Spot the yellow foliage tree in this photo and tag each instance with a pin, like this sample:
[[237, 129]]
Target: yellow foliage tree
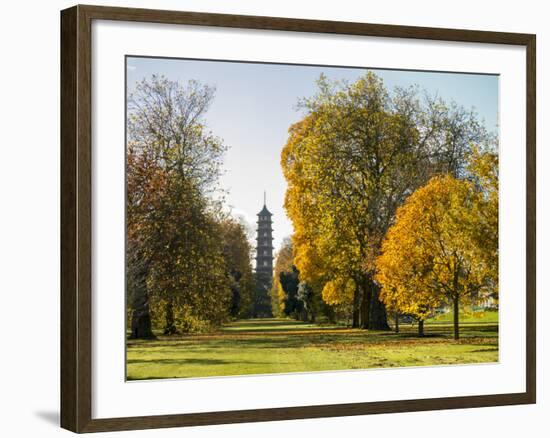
[[355, 157], [483, 168], [339, 291], [434, 253], [283, 263]]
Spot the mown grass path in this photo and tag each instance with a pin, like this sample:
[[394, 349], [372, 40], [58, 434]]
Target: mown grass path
[[266, 346]]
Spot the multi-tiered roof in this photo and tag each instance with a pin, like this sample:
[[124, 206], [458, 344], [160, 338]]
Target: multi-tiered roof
[[264, 242]]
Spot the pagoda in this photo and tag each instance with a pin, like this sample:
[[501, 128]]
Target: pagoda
[[264, 263]]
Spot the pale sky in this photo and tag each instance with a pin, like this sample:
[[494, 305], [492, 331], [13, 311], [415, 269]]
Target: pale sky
[[255, 104]]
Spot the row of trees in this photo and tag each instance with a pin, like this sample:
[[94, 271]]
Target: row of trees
[[357, 156], [188, 263]]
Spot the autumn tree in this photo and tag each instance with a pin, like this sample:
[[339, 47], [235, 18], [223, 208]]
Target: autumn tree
[[434, 253], [283, 270], [483, 172], [175, 259], [166, 119], [237, 258], [187, 281], [350, 162], [320, 250], [339, 293], [145, 185]]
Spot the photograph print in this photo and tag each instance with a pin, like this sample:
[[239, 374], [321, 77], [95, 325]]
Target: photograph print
[[300, 218]]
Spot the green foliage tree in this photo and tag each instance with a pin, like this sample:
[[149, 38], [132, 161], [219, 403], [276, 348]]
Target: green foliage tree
[[305, 295], [289, 282]]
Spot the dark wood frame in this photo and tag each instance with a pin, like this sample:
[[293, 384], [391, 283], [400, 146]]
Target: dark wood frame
[[76, 238]]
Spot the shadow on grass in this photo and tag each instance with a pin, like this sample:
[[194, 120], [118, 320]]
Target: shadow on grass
[[194, 361], [276, 329], [206, 345], [134, 379], [270, 334], [267, 342], [267, 322], [485, 350], [413, 335]]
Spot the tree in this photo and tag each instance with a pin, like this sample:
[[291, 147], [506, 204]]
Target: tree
[[289, 282], [285, 283], [483, 172], [165, 119], [283, 261], [350, 162], [433, 253], [189, 279], [306, 297], [145, 182], [339, 293], [237, 257], [175, 261]]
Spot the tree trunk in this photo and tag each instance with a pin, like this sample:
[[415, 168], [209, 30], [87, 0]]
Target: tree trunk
[[169, 326], [378, 318], [396, 322], [141, 322], [366, 285], [312, 314], [141, 318], [331, 314], [420, 327], [355, 311], [365, 307], [455, 316]]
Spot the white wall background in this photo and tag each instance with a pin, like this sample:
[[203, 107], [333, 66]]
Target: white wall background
[[29, 220]]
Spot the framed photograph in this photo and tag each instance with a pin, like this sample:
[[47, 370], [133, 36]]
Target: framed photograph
[[270, 218]]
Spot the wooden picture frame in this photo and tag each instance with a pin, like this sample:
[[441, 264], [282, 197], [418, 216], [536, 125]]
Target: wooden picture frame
[[76, 217]]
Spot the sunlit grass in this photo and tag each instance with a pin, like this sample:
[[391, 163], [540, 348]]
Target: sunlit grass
[[280, 346], [467, 316]]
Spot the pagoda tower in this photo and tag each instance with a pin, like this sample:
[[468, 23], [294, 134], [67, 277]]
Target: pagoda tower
[[264, 263]]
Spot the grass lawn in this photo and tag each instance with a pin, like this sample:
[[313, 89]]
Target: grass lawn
[[468, 317], [266, 346]]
